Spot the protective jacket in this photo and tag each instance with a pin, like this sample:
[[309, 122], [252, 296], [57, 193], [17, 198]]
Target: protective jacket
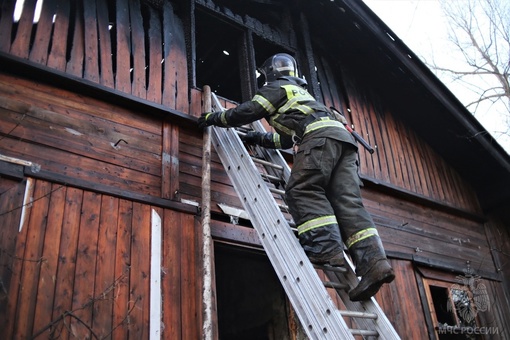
[[291, 110]]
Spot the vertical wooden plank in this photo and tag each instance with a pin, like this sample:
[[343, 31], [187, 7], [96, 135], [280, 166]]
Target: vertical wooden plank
[[155, 56], [434, 168], [105, 44], [410, 161], [122, 306], [418, 158], [371, 137], [139, 276], [138, 87], [179, 57], [21, 44], [171, 284], [376, 141], [57, 56], [105, 270], [446, 186], [48, 274], [196, 108], [75, 63], [123, 62], [17, 267], [32, 260], [175, 65], [366, 131], [395, 161], [429, 168], [189, 264], [11, 202], [170, 161], [6, 18], [83, 289], [358, 112], [91, 61], [66, 263], [384, 149], [403, 159], [39, 52], [457, 194]]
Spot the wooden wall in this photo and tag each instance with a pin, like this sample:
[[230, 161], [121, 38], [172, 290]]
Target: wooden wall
[[80, 268], [126, 45], [80, 137]]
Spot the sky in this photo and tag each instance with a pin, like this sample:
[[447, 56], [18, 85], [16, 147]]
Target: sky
[[421, 25]]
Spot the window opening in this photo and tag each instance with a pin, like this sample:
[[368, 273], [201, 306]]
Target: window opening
[[251, 302], [454, 307], [217, 56]]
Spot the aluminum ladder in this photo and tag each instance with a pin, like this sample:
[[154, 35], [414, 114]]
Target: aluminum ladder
[[319, 316]]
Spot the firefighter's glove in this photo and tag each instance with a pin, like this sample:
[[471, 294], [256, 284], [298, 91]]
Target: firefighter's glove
[[253, 137], [210, 118]]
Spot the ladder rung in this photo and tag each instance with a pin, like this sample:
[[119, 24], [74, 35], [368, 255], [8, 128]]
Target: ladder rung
[[364, 332], [277, 191], [329, 268], [335, 285], [263, 162], [354, 314], [283, 207], [272, 178]]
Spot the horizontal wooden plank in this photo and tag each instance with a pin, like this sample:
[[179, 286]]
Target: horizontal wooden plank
[[9, 170], [120, 150]]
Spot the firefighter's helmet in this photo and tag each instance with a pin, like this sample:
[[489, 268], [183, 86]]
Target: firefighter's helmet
[[279, 65]]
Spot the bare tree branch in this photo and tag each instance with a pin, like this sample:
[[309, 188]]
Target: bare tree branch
[[480, 31]]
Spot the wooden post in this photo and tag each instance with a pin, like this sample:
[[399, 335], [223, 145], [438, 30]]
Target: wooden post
[[209, 329]]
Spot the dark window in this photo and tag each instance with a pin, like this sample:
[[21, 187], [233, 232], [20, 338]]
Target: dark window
[[251, 301], [217, 56], [454, 310]]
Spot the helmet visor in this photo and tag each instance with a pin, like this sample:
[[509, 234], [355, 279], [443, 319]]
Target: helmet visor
[[285, 65]]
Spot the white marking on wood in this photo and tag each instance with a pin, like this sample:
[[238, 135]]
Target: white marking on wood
[[155, 281], [27, 202]]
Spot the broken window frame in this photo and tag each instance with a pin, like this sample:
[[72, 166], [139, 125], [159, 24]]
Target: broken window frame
[[433, 278]]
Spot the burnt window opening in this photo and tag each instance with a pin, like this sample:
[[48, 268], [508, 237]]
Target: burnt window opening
[[251, 302], [454, 308], [440, 300], [217, 56]]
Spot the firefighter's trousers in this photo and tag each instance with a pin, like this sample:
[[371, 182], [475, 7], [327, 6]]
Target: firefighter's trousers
[[324, 199]]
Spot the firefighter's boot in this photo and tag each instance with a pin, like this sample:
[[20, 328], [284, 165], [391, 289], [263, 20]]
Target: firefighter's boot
[[372, 265]]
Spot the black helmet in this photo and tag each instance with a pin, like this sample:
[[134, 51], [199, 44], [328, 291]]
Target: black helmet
[[279, 65]]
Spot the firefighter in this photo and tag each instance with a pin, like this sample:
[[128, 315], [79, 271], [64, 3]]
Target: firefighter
[[323, 192]]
